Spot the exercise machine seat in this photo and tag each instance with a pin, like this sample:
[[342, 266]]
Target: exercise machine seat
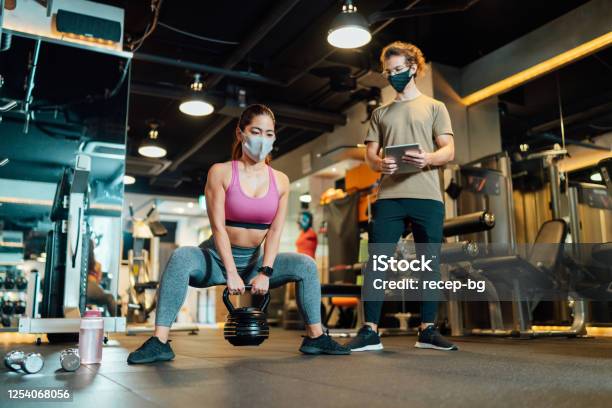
[[602, 253], [340, 290], [538, 270]]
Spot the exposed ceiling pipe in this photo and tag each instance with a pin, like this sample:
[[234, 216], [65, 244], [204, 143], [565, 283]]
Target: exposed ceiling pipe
[[220, 72], [312, 119], [196, 66], [603, 109], [30, 85], [245, 75], [554, 138], [272, 19], [426, 10], [202, 139]]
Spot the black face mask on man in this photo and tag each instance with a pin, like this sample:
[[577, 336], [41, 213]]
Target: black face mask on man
[[399, 81]]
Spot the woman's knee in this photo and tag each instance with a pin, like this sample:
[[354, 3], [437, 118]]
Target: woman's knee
[[184, 259], [306, 267], [186, 254]]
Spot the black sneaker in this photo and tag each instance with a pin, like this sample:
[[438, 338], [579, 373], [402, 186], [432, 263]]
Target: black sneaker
[[430, 338], [151, 351], [366, 340], [323, 344]]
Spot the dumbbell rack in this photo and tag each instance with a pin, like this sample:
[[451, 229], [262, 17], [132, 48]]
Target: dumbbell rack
[[4, 291]]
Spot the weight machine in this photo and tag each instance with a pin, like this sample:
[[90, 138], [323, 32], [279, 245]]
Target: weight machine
[[64, 291]]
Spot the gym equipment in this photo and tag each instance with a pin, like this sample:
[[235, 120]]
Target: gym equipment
[[70, 360], [8, 307], [1, 281], [141, 301], [64, 288], [483, 183], [20, 307], [540, 270], [462, 251], [469, 223], [246, 326], [139, 265], [538, 180], [30, 363], [9, 282], [605, 167], [21, 282], [68, 245]]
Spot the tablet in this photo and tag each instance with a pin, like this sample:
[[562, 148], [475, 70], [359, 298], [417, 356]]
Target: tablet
[[397, 151]]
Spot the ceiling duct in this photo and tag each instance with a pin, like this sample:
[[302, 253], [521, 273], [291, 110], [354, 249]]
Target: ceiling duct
[[142, 166], [340, 78], [78, 23], [106, 150]]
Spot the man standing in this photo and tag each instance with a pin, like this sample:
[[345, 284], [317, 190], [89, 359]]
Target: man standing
[[414, 198]]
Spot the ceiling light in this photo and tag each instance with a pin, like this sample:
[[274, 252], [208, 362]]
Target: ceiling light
[[190, 204], [596, 177], [4, 162], [196, 105], [305, 198], [127, 180], [151, 147], [179, 210], [334, 169], [349, 29]]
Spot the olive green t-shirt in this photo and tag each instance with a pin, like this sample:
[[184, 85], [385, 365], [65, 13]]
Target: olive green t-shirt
[[418, 120]]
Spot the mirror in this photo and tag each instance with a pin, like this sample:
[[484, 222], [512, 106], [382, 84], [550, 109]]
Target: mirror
[[65, 110]]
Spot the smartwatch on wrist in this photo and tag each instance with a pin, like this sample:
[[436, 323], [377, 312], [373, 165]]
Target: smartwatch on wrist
[[266, 270]]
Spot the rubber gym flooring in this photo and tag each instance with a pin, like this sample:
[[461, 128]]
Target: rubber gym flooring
[[208, 372]]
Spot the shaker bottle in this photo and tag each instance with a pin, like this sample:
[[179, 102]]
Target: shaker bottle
[[91, 336]]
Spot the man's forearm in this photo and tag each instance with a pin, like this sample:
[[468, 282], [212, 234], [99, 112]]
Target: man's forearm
[[442, 156], [373, 161]]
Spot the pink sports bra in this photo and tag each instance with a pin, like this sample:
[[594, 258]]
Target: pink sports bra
[[249, 212]]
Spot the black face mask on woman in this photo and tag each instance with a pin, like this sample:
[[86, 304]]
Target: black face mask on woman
[[399, 81]]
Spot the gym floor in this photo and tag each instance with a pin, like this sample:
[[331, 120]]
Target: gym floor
[[208, 372]]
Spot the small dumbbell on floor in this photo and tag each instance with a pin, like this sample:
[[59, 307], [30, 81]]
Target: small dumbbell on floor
[[28, 362], [70, 360]]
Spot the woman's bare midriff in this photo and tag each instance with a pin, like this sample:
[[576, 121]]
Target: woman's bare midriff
[[245, 237]]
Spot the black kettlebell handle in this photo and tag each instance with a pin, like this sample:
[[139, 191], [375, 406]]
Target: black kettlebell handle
[[230, 307]]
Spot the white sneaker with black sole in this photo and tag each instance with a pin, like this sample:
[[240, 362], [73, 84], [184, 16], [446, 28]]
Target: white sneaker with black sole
[[430, 338], [366, 340]]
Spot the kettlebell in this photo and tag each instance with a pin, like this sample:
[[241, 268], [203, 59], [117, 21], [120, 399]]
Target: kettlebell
[[246, 326]]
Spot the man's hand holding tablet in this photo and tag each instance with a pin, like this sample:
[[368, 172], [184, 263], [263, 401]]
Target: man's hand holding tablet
[[418, 158], [408, 158]]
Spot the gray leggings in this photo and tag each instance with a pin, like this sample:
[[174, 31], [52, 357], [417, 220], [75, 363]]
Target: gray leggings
[[202, 267]]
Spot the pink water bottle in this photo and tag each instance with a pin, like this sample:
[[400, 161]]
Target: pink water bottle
[[91, 337]]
